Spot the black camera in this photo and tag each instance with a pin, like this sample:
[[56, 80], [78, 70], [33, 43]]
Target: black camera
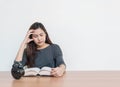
[[17, 70]]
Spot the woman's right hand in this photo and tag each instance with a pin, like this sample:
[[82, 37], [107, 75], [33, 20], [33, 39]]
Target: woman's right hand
[[27, 39]]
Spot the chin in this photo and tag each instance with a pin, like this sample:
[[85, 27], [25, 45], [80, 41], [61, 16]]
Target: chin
[[41, 44]]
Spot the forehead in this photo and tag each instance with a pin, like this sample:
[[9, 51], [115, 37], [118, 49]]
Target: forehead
[[38, 31]]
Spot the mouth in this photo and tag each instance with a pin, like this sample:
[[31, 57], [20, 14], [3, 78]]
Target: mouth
[[39, 42]]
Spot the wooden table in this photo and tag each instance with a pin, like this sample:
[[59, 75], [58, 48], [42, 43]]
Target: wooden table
[[70, 79]]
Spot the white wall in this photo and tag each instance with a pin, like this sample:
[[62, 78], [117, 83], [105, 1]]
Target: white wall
[[88, 31]]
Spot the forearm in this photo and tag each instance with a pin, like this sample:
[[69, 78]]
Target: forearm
[[23, 45], [20, 52]]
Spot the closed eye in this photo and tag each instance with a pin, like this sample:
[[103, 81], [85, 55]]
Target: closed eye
[[41, 34], [35, 36]]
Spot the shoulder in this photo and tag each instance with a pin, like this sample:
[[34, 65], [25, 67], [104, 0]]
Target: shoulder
[[55, 46], [56, 49]]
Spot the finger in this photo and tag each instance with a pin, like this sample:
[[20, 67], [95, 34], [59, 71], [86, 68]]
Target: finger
[[31, 30], [28, 34], [56, 75], [53, 69], [53, 73], [30, 40]]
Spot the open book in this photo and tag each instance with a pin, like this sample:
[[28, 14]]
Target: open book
[[44, 71]]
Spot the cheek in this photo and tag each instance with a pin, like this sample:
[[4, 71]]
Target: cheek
[[44, 37]]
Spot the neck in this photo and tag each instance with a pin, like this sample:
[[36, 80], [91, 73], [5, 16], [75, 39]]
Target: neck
[[43, 46]]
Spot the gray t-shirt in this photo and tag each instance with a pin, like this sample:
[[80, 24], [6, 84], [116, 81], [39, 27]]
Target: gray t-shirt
[[50, 56]]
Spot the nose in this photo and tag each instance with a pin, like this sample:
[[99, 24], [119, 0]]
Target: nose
[[39, 38]]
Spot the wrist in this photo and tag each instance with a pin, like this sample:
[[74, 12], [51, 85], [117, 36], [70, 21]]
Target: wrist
[[23, 44], [62, 66]]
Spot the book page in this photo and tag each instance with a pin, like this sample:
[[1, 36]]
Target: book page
[[31, 71], [46, 71]]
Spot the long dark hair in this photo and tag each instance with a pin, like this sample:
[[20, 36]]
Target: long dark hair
[[32, 47]]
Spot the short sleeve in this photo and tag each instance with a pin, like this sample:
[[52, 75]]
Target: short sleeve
[[58, 55]]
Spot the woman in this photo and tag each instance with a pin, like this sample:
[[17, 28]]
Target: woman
[[37, 50]]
